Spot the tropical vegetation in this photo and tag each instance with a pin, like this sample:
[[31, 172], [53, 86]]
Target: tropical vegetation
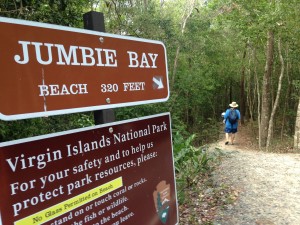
[[218, 51]]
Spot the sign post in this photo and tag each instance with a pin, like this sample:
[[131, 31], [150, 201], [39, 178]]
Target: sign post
[[50, 70], [95, 21], [118, 173]]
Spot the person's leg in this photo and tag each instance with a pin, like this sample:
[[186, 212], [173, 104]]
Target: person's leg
[[233, 132], [232, 138], [227, 138]]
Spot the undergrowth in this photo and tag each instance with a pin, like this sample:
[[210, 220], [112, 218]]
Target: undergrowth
[[198, 196], [190, 163]]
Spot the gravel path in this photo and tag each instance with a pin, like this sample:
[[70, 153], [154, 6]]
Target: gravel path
[[268, 185]]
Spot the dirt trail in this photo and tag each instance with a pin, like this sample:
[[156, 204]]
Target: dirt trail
[[268, 185]]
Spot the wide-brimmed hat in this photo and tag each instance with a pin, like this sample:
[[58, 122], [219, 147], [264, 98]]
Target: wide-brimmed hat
[[233, 105]]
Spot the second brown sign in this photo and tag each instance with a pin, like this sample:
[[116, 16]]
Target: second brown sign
[[119, 173]]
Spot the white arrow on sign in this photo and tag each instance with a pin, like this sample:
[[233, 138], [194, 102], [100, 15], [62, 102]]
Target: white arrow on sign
[[158, 83]]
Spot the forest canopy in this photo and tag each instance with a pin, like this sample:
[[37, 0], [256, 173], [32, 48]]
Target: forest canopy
[[218, 51]]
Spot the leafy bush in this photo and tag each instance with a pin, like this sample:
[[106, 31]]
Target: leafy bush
[[189, 161], [12, 130]]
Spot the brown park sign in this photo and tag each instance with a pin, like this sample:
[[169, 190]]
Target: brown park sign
[[49, 70], [118, 173]]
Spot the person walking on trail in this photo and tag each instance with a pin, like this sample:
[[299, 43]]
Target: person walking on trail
[[231, 117]]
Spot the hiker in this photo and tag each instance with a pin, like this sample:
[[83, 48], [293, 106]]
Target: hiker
[[232, 116]]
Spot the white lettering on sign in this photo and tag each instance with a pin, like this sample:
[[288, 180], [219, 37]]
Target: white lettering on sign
[[109, 88], [90, 56], [55, 89], [134, 86], [39, 161], [143, 61]]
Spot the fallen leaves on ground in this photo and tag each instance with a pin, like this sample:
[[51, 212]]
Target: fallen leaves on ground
[[203, 200]]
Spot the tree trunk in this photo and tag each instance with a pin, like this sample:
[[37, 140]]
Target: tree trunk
[[242, 87], [145, 4], [249, 88], [258, 100], [175, 65], [297, 130], [266, 101], [187, 13], [287, 95], [251, 85], [271, 122]]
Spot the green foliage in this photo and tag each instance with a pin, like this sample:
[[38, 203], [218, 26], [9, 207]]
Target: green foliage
[[189, 162], [61, 12], [210, 59], [12, 130]]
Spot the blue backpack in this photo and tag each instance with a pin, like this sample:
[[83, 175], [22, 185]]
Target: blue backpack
[[233, 117]]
